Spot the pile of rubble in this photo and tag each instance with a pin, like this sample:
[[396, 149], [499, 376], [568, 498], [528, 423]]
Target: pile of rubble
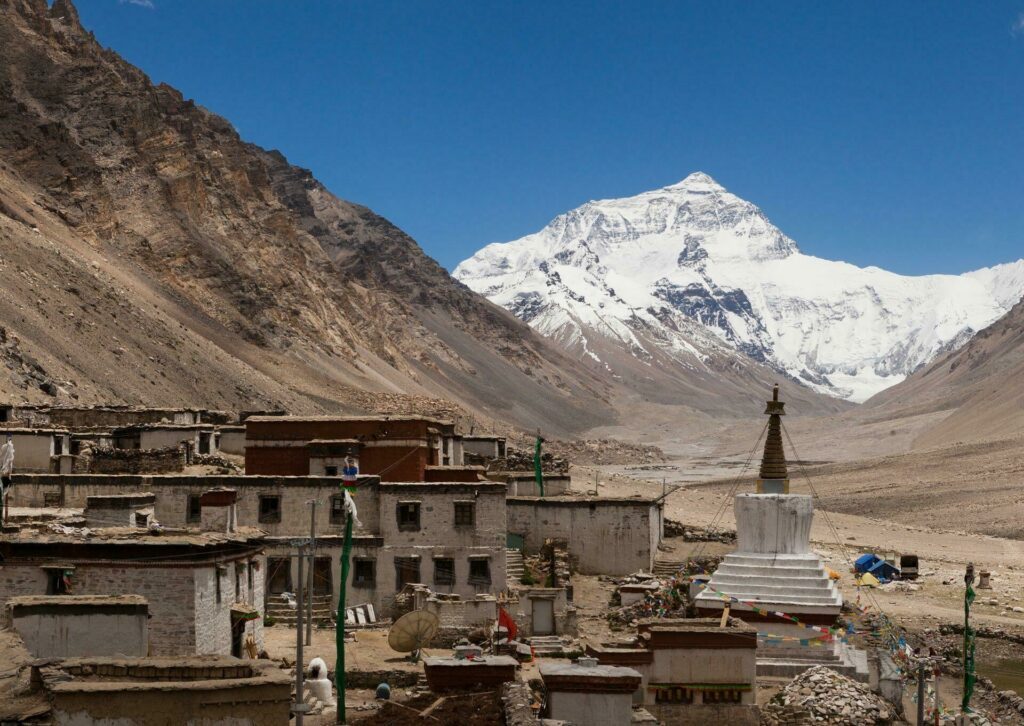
[[519, 460], [698, 534], [820, 695], [597, 452]]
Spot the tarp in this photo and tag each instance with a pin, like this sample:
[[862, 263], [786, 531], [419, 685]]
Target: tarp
[[868, 580], [884, 570], [865, 562]]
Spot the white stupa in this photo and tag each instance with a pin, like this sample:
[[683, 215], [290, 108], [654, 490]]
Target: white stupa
[[773, 566]]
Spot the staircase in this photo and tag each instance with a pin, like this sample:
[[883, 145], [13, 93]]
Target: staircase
[[546, 645], [513, 567], [780, 661], [278, 609], [666, 567]]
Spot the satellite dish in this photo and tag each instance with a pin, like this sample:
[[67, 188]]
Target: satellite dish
[[413, 631]]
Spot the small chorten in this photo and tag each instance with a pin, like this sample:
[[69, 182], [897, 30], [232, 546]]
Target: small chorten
[[774, 477]]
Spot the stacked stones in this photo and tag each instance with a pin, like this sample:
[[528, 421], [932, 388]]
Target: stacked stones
[[820, 695]]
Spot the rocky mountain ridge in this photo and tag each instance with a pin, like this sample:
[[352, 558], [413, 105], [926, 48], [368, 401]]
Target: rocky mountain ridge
[[150, 255], [690, 273]]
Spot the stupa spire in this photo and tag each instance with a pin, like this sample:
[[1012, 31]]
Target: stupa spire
[[774, 476]]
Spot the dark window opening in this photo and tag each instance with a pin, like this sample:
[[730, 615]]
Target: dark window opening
[[270, 509], [338, 509], [465, 514], [195, 510], [58, 445], [409, 515], [673, 694], [364, 572], [141, 520], [238, 582], [330, 471], [444, 571], [252, 578], [407, 570], [729, 696], [216, 580], [58, 582], [479, 571]]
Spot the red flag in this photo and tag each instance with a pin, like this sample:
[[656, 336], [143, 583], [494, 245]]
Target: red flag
[[505, 620]]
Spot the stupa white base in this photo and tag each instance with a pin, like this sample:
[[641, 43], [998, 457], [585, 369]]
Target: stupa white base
[[774, 566]]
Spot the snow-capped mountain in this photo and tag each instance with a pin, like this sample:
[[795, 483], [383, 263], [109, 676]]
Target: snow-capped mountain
[[690, 271]]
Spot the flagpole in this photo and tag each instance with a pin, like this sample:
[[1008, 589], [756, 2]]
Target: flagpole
[[538, 471]]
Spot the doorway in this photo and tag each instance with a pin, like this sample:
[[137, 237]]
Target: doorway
[[279, 575], [543, 616], [321, 575]]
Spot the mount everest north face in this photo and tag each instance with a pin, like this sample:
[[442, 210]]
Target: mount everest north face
[[690, 272]]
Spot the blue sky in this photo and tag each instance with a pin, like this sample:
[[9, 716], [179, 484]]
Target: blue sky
[[887, 134]]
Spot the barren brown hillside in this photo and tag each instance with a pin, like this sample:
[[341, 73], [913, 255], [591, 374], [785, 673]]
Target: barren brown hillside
[[151, 255]]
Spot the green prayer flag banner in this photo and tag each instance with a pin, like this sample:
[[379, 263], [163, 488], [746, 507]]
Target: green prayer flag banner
[[537, 472]]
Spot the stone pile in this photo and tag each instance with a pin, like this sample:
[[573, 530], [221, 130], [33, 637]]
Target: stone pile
[[698, 534], [822, 696]]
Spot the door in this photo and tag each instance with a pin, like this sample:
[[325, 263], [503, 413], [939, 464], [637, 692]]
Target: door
[[237, 634], [279, 575], [543, 617], [322, 576]]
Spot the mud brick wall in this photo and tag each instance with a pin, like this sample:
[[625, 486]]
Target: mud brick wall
[[132, 461]]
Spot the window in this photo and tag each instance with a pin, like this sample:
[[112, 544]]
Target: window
[[58, 582], [465, 514], [444, 571], [479, 571], [52, 499], [364, 572], [270, 509], [194, 510], [238, 582], [338, 509], [216, 581], [252, 578], [141, 520], [330, 471], [407, 570], [725, 696], [409, 516]]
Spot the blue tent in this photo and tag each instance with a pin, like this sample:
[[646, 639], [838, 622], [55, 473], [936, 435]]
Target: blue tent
[[884, 571], [864, 563]]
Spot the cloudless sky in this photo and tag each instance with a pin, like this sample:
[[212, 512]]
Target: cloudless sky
[[882, 133]]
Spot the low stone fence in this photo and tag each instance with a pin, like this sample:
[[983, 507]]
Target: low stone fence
[[169, 460]]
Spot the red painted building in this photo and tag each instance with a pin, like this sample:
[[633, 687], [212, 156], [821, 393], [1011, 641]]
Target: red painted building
[[396, 448]]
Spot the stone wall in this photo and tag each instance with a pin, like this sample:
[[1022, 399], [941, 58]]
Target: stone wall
[[226, 691], [131, 461], [65, 626], [605, 536], [184, 615]]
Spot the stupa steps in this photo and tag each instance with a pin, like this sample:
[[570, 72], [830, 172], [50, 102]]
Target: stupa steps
[[806, 583], [773, 560], [778, 570], [778, 600]]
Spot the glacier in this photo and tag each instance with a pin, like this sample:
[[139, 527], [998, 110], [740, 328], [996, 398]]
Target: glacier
[[693, 269]]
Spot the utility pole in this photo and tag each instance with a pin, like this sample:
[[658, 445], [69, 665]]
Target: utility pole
[[300, 663], [309, 579]]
